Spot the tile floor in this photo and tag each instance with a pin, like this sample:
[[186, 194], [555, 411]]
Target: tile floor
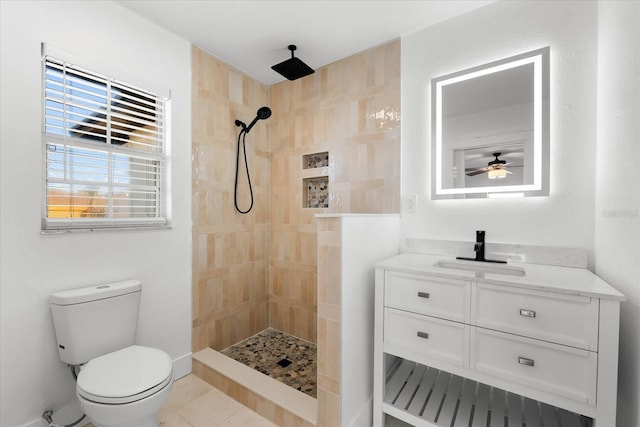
[[265, 350], [195, 403]]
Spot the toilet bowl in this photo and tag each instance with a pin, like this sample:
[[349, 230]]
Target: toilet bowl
[[125, 388], [120, 384]]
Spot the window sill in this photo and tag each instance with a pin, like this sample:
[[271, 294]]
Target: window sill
[[105, 229]]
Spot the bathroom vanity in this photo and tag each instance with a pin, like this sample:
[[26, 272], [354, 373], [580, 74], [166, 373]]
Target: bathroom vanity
[[460, 343]]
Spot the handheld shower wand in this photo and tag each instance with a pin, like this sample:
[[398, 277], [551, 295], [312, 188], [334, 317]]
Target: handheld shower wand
[[262, 114]]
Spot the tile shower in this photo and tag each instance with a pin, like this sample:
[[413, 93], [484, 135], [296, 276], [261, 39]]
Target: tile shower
[[332, 145]]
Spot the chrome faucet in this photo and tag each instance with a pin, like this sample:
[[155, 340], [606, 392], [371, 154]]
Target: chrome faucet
[[478, 248]]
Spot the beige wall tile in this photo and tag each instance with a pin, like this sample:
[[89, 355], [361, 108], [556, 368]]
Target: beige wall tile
[[266, 408], [230, 277], [352, 109], [329, 311], [328, 409], [328, 384], [333, 342], [323, 350]]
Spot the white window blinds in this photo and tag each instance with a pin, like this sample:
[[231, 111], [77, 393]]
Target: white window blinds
[[104, 151]]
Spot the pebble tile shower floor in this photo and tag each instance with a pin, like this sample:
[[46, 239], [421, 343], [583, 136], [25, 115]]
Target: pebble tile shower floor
[[270, 352]]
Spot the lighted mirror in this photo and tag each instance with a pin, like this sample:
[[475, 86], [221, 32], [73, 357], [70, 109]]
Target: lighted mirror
[[490, 129]]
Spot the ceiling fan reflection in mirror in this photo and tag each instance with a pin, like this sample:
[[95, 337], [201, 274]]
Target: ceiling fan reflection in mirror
[[495, 169]]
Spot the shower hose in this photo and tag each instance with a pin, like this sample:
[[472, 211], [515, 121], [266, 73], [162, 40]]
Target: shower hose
[[48, 415], [241, 138]]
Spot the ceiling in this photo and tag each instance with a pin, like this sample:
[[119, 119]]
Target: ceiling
[[254, 35]]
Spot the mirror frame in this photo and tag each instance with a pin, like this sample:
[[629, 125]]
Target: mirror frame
[[540, 186]]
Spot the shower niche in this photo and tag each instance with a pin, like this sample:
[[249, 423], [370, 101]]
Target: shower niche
[[315, 186], [315, 160], [315, 192]]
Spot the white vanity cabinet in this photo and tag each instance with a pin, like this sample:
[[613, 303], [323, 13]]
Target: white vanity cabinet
[[460, 348]]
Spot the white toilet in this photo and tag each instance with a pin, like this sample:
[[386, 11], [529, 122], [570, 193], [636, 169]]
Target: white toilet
[[120, 384]]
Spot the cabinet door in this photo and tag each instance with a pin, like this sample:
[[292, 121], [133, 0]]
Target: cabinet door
[[433, 296], [565, 371], [435, 338], [562, 319]]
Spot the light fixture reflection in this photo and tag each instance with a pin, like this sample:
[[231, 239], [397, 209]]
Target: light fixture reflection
[[497, 173]]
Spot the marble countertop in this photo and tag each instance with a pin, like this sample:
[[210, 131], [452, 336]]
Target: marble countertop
[[565, 280]]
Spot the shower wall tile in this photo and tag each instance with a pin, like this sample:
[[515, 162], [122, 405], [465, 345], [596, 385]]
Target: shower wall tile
[[329, 320], [272, 267], [230, 251], [350, 109]]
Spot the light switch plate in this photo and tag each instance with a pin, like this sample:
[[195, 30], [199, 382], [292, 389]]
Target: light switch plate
[[412, 203]]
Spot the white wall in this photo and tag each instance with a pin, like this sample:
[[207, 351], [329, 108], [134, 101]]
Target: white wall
[[493, 32], [35, 265], [617, 219], [360, 250]]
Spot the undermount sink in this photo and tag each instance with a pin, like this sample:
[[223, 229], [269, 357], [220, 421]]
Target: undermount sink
[[481, 267]]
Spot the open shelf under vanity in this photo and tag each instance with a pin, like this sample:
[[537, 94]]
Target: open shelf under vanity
[[424, 396]]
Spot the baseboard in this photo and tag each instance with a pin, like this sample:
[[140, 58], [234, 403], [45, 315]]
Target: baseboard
[[36, 423], [365, 417], [182, 366]]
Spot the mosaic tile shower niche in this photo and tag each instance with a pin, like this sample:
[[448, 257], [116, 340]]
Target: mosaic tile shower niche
[[315, 160], [316, 192], [315, 189]]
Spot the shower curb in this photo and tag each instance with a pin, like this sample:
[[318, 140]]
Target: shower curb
[[266, 396]]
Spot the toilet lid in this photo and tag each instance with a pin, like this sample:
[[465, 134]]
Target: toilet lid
[[126, 375]]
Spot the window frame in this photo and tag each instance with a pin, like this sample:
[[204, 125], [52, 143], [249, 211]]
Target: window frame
[[155, 161]]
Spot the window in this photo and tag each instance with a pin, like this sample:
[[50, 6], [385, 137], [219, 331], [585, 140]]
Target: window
[[103, 149]]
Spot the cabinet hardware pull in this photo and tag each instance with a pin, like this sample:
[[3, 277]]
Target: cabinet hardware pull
[[423, 335], [423, 294], [527, 313], [525, 361]]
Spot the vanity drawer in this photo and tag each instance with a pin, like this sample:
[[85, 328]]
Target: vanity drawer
[[439, 297], [430, 336], [566, 371], [563, 319]]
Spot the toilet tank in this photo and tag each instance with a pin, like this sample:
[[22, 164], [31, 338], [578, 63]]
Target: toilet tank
[[95, 320]]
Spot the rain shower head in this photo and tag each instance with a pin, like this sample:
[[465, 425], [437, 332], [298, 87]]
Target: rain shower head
[[293, 68], [262, 114]]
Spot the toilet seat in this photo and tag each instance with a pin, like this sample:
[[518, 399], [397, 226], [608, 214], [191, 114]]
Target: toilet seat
[[124, 376]]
